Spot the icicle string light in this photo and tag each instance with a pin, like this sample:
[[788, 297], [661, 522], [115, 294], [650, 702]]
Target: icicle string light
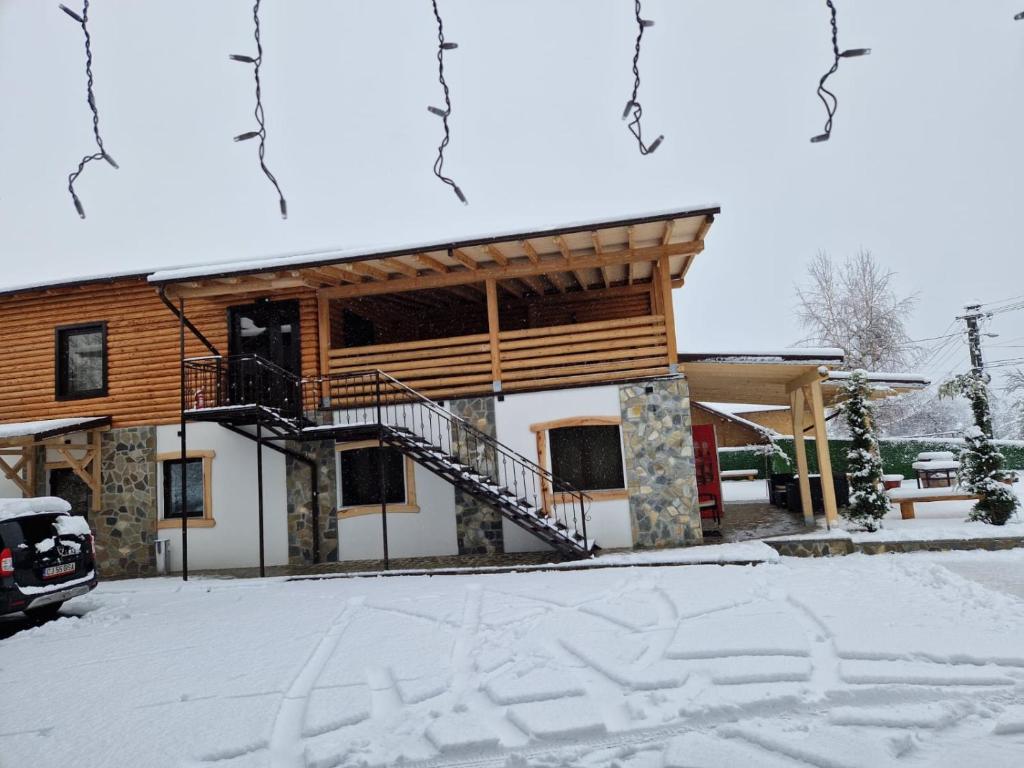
[[633, 105], [260, 134], [828, 98], [446, 112], [83, 20]]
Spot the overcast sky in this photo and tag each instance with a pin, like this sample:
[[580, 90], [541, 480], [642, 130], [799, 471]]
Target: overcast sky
[[923, 168]]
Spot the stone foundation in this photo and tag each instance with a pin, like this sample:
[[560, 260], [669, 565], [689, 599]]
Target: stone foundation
[[478, 525], [126, 525], [840, 545], [660, 474], [300, 503]]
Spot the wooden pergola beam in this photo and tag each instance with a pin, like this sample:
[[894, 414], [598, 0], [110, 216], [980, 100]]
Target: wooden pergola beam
[[495, 253], [514, 269], [367, 270], [400, 266], [531, 252], [431, 263], [464, 259]]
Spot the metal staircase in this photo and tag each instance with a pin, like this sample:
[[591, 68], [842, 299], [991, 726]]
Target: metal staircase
[[370, 405]]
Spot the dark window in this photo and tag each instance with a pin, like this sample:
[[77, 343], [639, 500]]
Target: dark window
[[82, 361], [358, 330], [360, 476], [172, 488], [590, 458]]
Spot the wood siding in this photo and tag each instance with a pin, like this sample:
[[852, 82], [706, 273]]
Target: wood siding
[[142, 348]]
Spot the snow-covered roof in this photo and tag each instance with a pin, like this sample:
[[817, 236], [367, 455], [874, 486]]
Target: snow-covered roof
[[335, 256], [737, 409], [40, 430], [795, 355], [759, 428], [875, 377], [12, 508]]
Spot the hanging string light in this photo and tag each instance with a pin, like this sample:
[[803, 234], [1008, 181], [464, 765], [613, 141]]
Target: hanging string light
[[260, 134], [633, 105], [445, 113], [829, 99], [83, 20]]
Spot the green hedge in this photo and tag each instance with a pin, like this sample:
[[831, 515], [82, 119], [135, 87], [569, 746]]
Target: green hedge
[[898, 454]]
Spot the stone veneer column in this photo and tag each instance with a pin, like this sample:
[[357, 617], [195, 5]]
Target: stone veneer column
[[478, 525], [300, 503], [657, 438], [126, 526]]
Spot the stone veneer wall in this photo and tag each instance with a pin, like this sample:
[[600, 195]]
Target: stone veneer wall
[[126, 525], [660, 474], [300, 503], [478, 525]]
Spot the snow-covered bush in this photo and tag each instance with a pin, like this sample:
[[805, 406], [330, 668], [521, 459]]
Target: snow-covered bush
[[981, 463], [868, 502]]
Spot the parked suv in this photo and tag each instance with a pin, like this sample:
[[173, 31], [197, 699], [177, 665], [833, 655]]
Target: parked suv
[[47, 556]]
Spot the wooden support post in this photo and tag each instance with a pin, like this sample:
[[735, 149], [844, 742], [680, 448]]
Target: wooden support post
[[828, 490], [493, 328], [30, 454], [796, 405], [323, 314], [665, 284]]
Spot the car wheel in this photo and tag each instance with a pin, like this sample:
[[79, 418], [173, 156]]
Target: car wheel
[[45, 612]]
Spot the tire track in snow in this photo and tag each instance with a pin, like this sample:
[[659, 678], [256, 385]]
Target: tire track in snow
[[286, 743]]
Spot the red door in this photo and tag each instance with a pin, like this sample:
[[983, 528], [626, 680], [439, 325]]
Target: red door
[[709, 484]]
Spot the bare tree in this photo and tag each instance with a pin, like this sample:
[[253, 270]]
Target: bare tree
[[853, 305]]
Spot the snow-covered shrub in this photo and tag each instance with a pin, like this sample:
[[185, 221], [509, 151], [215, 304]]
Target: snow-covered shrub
[[981, 463], [868, 502]]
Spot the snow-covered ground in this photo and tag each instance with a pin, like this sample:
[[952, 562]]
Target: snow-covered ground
[[933, 519], [912, 660]]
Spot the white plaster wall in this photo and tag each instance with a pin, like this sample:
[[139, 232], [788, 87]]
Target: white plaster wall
[[234, 541], [429, 532], [8, 490], [609, 523]]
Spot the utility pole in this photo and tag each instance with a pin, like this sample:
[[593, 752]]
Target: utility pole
[[972, 318], [974, 314]]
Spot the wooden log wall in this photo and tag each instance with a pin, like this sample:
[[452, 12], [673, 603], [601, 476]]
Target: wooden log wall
[[585, 353], [142, 348]]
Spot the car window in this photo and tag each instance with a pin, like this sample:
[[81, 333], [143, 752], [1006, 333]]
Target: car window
[[35, 528]]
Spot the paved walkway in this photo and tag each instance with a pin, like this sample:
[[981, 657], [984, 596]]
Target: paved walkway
[[745, 521], [505, 560]]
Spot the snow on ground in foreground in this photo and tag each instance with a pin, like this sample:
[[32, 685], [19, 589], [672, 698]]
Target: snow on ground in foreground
[[855, 661]]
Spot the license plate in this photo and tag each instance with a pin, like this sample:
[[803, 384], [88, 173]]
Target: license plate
[[58, 570]]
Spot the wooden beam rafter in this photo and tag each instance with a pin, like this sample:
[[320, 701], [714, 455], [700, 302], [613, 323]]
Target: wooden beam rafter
[[464, 259], [515, 269], [495, 253], [431, 263]]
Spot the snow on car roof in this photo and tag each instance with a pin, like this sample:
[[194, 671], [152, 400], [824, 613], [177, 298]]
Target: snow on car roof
[[40, 505]]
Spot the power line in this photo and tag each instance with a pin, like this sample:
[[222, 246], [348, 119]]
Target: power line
[[261, 134], [828, 98], [633, 105], [444, 114], [83, 21]]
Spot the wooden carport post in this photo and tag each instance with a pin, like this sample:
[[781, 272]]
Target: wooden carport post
[[796, 405], [828, 489], [493, 329]]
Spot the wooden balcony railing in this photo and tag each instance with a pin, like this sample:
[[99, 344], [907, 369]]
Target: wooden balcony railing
[[538, 358]]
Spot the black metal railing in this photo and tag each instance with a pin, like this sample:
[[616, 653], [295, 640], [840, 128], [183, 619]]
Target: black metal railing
[[371, 398], [240, 381], [403, 418]]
